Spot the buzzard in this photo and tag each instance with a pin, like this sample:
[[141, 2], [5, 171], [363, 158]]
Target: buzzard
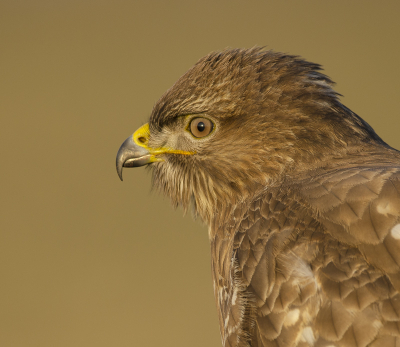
[[300, 195]]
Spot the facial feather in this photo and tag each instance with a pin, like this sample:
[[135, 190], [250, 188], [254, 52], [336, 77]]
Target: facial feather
[[273, 113]]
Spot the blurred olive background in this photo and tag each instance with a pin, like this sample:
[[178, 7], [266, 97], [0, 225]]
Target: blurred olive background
[[87, 260]]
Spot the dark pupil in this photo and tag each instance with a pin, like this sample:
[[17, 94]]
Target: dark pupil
[[201, 126]]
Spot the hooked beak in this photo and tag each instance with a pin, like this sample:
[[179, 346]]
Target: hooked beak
[[135, 152], [131, 155]]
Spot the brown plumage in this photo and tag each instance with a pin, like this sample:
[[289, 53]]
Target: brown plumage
[[301, 197]]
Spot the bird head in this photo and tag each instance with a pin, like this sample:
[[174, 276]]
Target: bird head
[[236, 122]]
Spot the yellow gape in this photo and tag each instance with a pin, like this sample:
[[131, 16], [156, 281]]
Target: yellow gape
[[141, 138]]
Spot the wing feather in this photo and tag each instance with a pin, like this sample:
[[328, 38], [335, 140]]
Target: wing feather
[[315, 263]]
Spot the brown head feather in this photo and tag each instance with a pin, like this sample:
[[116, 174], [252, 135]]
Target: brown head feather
[[274, 113]]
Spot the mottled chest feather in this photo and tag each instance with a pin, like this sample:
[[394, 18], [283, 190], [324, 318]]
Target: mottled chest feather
[[288, 277]]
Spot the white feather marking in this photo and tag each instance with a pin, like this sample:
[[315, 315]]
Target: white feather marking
[[395, 232], [234, 296], [385, 208], [377, 324], [308, 336], [302, 269], [291, 317], [226, 321]]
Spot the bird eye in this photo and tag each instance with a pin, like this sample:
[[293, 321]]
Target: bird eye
[[200, 127]]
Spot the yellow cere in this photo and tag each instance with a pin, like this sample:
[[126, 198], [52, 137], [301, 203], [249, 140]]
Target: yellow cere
[[141, 138]]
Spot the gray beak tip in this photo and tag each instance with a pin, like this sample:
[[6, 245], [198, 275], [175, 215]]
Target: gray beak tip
[[131, 155], [119, 171]]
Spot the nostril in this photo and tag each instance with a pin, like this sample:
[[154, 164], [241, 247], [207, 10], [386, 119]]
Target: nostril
[[142, 139]]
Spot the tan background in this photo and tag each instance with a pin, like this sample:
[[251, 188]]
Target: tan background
[[86, 260]]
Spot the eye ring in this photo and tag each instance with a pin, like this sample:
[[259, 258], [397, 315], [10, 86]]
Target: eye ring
[[200, 127]]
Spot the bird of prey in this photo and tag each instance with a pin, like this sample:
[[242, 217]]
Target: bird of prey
[[300, 195]]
